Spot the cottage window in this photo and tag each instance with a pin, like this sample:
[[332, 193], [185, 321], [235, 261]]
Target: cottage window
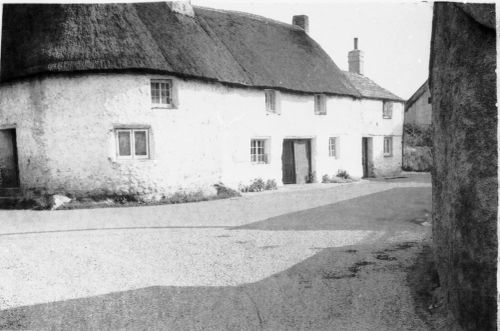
[[161, 93], [258, 151], [387, 111], [387, 146], [320, 104], [132, 143], [272, 101], [332, 147]]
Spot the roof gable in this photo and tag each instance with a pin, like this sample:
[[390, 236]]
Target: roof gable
[[421, 90], [223, 46]]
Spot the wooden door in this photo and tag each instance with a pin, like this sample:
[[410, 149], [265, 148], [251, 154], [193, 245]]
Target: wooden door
[[302, 160], [366, 156], [8, 159], [288, 162]]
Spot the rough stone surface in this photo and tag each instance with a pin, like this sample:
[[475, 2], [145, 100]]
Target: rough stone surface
[[66, 141], [465, 183]]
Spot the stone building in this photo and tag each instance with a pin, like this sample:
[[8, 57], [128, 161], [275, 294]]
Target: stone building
[[418, 108], [464, 179], [152, 98]]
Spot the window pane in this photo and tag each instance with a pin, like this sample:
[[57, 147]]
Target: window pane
[[124, 143], [155, 92], [141, 147]]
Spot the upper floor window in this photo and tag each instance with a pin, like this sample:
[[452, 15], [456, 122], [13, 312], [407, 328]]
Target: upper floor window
[[320, 104], [387, 112], [387, 146], [332, 147], [272, 101], [132, 143], [162, 93], [258, 153]]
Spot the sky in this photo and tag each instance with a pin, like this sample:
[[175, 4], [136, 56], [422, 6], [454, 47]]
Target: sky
[[394, 36]]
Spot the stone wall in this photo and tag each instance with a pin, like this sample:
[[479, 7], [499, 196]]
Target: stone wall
[[465, 183]]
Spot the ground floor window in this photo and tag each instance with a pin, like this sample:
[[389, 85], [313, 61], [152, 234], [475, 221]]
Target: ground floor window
[[132, 143], [332, 147], [258, 153], [387, 146]]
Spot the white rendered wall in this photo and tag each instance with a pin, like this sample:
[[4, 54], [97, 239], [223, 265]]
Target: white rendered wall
[[377, 127], [65, 130]]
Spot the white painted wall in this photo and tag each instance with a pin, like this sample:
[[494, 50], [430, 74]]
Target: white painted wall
[[377, 127], [66, 140]]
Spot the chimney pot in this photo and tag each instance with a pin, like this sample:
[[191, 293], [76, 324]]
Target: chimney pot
[[301, 21], [355, 43], [183, 7]]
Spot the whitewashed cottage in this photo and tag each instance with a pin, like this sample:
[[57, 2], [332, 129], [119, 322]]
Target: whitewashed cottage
[[151, 98]]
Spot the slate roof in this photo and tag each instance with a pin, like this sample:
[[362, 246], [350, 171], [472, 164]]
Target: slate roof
[[369, 89], [216, 45]]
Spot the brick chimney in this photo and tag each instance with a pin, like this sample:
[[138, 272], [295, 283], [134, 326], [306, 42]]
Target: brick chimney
[[355, 58], [183, 7], [302, 21]]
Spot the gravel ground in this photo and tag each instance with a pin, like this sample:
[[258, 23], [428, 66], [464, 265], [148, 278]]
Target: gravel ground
[[329, 257]]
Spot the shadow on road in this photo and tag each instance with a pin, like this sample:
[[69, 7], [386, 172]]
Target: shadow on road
[[338, 288], [376, 211]]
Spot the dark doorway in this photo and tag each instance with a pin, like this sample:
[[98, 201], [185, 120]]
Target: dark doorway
[[367, 156], [9, 173], [296, 160]]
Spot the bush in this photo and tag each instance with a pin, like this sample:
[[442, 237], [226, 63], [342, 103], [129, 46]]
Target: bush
[[271, 185], [415, 135], [259, 185], [343, 174], [341, 177], [225, 192]]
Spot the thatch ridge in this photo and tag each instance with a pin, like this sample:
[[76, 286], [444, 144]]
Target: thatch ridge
[[223, 46]]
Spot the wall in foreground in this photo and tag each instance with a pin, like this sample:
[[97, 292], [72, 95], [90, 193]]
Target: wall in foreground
[[66, 139], [465, 183]]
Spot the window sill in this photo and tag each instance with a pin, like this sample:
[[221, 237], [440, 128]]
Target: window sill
[[259, 163], [163, 107], [388, 155], [126, 160], [387, 118]]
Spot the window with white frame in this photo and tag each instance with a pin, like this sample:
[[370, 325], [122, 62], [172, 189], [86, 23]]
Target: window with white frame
[[333, 150], [162, 93], [132, 143], [272, 101], [387, 146], [258, 151], [320, 104], [387, 110]]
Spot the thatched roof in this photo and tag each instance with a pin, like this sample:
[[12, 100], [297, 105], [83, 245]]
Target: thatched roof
[[421, 90], [224, 46], [369, 89]]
